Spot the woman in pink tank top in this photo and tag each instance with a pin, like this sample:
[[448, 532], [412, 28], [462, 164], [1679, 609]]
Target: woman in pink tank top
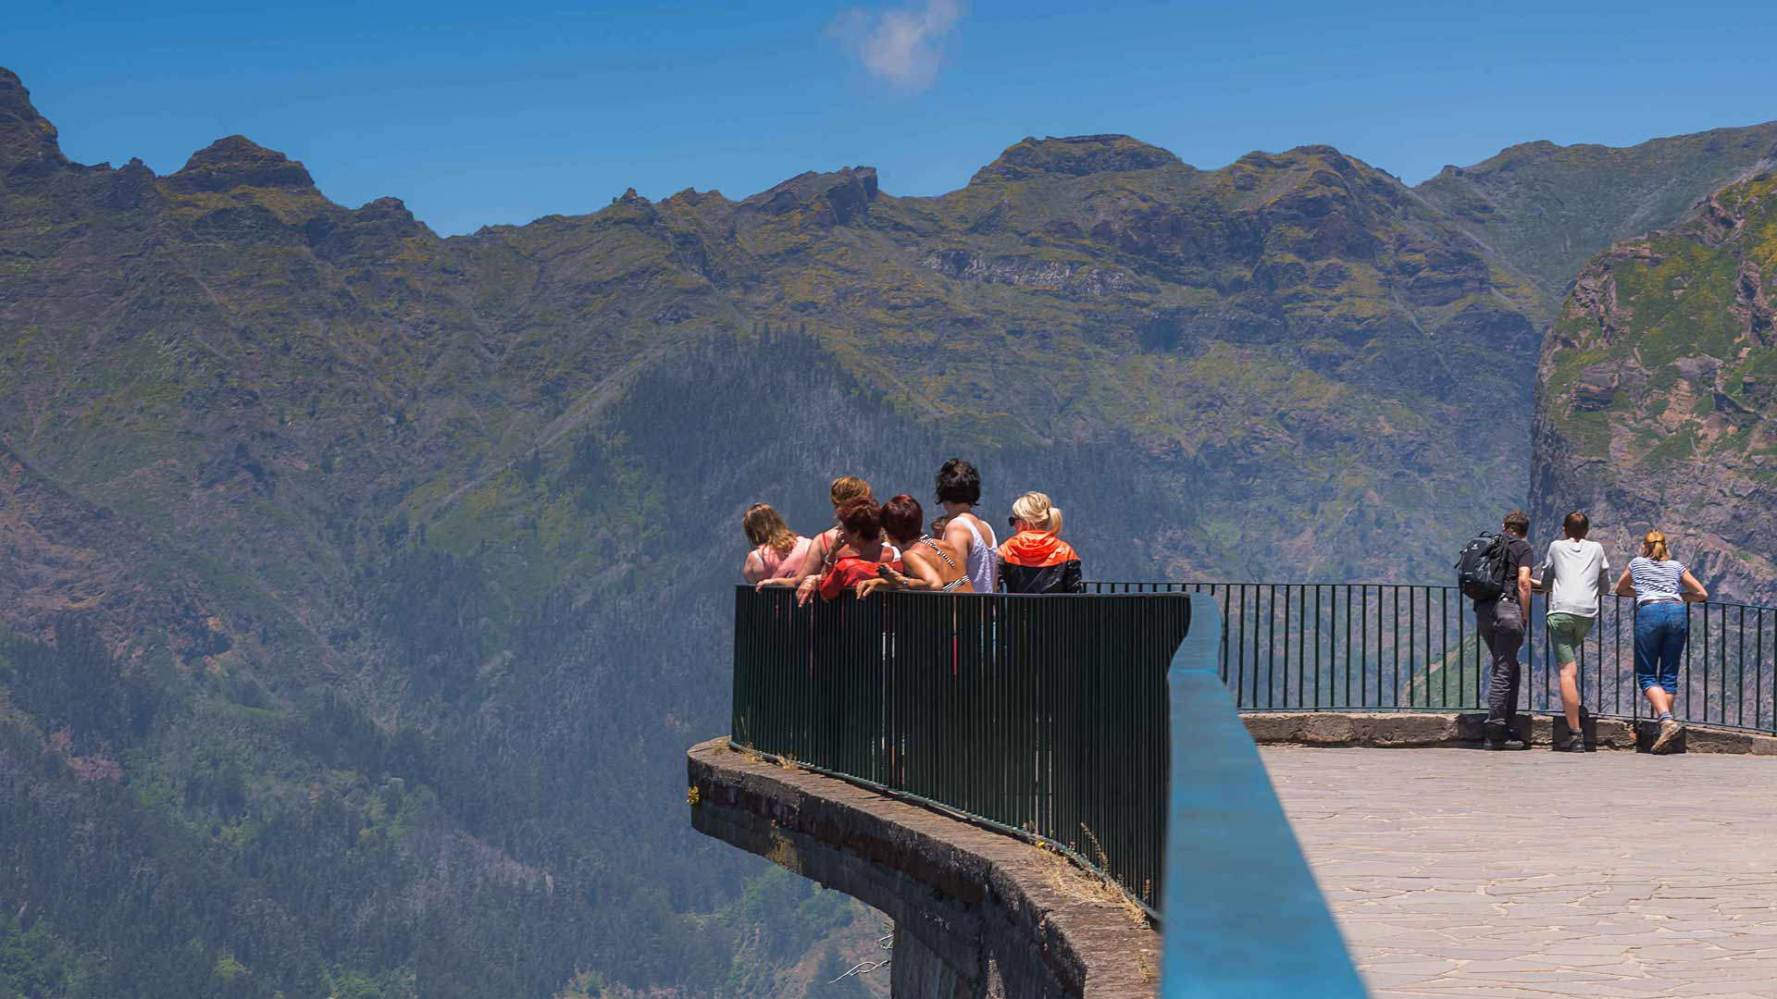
[[777, 550]]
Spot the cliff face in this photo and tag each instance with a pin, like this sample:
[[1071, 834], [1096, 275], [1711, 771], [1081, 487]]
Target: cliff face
[[1547, 209], [357, 520], [1656, 392]]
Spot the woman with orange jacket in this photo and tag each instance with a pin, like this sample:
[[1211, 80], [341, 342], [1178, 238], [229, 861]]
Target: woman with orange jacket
[[1036, 560]]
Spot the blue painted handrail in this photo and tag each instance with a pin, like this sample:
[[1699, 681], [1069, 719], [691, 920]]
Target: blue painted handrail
[[1244, 916]]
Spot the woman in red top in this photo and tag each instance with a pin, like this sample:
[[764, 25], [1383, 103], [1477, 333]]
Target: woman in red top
[[932, 563], [863, 552], [823, 551]]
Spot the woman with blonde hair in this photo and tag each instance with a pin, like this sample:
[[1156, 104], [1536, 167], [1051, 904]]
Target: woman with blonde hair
[[776, 548], [827, 547], [1661, 586], [824, 549], [1036, 560]]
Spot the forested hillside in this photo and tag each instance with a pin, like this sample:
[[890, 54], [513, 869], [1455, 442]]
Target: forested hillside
[[362, 589]]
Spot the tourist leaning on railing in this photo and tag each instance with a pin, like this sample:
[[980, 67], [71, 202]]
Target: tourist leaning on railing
[[1501, 621], [823, 549], [959, 489], [1036, 560], [1661, 586], [931, 564], [1575, 572], [777, 550], [863, 554]]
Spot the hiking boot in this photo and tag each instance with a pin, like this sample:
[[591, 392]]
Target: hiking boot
[[1670, 729], [1575, 743], [1498, 735], [1493, 735]]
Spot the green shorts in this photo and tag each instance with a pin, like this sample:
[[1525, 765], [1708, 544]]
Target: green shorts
[[1566, 632]]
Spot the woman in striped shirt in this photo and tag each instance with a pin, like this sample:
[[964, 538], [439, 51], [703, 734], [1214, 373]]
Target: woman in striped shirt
[[1661, 586]]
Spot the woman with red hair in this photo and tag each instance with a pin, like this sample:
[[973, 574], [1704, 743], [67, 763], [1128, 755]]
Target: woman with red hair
[[932, 564], [863, 553]]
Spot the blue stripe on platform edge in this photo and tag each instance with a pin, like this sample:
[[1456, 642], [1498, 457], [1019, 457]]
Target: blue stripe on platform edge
[[1243, 916]]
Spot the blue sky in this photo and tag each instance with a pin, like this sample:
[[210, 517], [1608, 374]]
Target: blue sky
[[482, 113]]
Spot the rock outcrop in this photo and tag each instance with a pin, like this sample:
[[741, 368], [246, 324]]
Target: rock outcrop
[[1655, 393]]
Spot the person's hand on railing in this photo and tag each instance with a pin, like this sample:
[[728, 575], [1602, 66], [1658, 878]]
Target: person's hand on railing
[[885, 579], [806, 589]]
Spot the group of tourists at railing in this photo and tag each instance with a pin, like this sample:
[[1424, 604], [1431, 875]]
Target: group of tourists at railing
[[1496, 572], [874, 546]]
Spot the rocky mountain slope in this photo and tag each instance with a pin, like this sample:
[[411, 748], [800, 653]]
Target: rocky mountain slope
[[324, 537], [1547, 209], [1656, 386]]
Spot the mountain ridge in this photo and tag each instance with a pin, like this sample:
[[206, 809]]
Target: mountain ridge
[[1528, 201]]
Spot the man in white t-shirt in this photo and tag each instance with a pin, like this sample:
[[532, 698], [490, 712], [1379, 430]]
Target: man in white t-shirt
[[1575, 574]]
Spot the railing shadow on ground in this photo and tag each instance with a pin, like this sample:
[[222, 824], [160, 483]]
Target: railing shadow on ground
[[1397, 647], [1095, 725]]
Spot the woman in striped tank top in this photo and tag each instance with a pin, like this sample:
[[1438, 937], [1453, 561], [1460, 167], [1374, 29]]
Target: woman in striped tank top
[[1661, 586], [930, 563]]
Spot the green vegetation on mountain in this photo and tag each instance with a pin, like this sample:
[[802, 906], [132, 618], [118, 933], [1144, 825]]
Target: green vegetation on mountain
[[365, 587], [1547, 209], [1657, 388]]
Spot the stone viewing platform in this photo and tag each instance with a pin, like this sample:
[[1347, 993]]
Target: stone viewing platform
[[976, 912], [1450, 871], [1455, 872], [1270, 791]]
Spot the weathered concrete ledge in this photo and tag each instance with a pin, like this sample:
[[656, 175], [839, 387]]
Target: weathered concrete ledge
[[977, 913], [1407, 729]]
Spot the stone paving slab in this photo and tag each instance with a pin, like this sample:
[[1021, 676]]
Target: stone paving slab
[[1461, 873]]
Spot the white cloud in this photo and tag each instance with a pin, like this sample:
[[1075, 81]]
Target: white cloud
[[903, 46]]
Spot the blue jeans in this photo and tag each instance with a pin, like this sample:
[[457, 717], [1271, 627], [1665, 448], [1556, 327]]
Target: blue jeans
[[1660, 633]]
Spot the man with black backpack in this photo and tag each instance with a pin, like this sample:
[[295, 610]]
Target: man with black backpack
[[1494, 571]]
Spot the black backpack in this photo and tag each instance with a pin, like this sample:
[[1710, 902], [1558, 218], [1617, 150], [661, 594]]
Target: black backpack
[[1481, 568]]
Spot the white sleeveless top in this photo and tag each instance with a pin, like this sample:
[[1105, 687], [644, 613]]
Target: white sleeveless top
[[984, 561]]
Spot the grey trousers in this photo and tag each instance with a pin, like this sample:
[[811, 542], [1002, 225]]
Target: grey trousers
[[1501, 624]]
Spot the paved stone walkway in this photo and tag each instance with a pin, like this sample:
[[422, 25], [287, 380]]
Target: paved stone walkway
[[1455, 872]]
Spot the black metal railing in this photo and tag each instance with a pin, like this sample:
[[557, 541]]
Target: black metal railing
[[1389, 647], [1043, 716], [1097, 725]]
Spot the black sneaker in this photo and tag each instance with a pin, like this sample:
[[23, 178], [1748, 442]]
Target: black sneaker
[[1575, 743], [1511, 741]]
